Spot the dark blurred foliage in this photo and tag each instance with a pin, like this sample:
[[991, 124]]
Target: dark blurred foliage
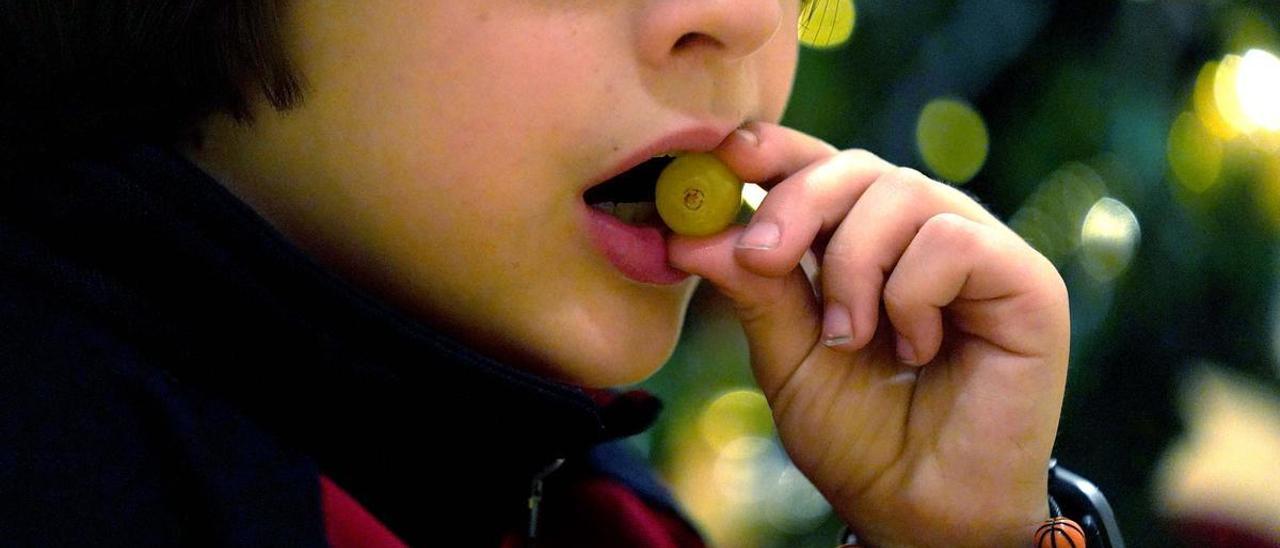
[[1095, 82]]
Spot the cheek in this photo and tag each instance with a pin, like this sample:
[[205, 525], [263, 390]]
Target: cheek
[[524, 288], [778, 68], [443, 79], [445, 154]]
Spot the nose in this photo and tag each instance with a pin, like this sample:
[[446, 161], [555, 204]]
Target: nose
[[725, 29]]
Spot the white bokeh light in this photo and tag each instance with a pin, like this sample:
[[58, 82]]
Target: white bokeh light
[[1109, 237], [1258, 89]]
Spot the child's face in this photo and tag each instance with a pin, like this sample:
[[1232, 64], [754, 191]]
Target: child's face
[[441, 150]]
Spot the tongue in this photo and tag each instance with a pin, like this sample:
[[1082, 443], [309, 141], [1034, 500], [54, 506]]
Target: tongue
[[640, 252]]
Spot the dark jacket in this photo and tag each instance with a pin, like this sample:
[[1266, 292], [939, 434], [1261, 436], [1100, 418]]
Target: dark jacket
[[175, 372]]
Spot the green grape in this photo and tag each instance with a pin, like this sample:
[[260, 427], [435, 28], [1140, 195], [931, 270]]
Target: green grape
[[697, 195]]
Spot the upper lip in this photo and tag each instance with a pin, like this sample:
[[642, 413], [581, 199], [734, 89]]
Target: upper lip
[[695, 138]]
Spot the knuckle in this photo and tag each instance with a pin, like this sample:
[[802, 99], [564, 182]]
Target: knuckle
[[1047, 304], [859, 156], [1058, 287], [909, 177], [831, 171], [1038, 263], [1054, 287], [905, 184], [817, 180], [917, 185], [950, 231]]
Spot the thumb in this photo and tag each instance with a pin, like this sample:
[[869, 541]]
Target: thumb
[[779, 314]]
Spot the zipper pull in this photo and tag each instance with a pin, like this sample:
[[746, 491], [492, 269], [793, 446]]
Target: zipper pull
[[535, 498]]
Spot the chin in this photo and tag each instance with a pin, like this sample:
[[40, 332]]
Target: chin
[[620, 345], [610, 371]]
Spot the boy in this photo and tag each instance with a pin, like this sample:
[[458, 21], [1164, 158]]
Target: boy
[[434, 156]]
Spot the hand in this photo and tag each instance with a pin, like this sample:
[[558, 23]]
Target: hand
[[929, 421]]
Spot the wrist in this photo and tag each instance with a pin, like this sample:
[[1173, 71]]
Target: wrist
[[1006, 523], [1022, 536], [1069, 496]]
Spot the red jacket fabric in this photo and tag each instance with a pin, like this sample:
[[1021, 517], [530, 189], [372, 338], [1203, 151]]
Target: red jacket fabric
[[174, 372]]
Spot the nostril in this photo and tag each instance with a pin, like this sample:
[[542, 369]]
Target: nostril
[[694, 39]]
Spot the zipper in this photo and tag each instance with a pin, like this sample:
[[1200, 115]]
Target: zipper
[[535, 499]]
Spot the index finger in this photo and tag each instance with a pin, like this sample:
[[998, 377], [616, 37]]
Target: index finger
[[813, 187], [765, 153]]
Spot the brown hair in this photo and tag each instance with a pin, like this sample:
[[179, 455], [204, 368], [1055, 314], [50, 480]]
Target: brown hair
[[82, 74]]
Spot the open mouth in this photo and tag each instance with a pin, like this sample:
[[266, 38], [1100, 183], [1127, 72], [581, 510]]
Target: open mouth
[[630, 196]]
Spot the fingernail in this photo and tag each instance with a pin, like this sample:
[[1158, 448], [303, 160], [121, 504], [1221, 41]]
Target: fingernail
[[751, 139], [760, 235], [837, 325], [906, 353]]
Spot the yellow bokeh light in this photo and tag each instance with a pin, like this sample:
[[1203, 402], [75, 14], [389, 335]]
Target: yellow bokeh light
[[1258, 89], [715, 468], [1206, 105], [733, 415], [1220, 464], [738, 470], [1268, 143], [952, 139], [1194, 154], [1224, 93], [1245, 91], [1108, 239], [826, 24]]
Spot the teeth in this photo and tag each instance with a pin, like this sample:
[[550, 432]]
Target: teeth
[[635, 212]]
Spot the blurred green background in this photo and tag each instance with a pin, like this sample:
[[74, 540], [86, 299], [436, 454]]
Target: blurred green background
[[1137, 145]]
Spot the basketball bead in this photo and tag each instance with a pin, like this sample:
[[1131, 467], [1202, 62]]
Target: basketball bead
[[1059, 533]]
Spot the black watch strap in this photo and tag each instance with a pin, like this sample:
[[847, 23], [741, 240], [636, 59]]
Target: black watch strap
[[1074, 497]]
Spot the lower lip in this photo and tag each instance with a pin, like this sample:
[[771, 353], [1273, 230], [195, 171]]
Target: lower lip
[[639, 252]]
